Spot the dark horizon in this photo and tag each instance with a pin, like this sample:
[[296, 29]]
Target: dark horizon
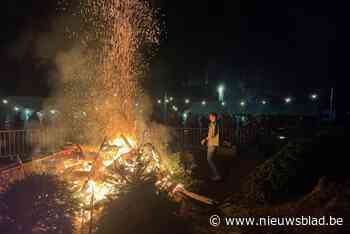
[[275, 45]]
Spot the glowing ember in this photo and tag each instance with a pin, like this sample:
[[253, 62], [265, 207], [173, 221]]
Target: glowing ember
[[93, 182], [100, 82], [121, 143], [100, 174], [98, 91], [99, 190]]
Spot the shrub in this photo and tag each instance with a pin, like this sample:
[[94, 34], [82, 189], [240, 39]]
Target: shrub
[[284, 176]]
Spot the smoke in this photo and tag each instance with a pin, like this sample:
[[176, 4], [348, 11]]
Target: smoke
[[101, 51], [95, 54]]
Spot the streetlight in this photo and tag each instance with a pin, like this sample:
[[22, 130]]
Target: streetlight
[[314, 96], [204, 103], [40, 114], [187, 100], [288, 100], [27, 111], [5, 101], [221, 90]]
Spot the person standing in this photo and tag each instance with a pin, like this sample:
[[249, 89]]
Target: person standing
[[212, 142]]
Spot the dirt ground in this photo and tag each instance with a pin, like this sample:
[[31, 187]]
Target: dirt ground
[[234, 170]]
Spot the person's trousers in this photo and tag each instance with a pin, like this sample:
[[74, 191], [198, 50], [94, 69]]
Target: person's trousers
[[210, 157]]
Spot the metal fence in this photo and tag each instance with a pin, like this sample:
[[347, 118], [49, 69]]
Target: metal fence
[[23, 143], [191, 137]]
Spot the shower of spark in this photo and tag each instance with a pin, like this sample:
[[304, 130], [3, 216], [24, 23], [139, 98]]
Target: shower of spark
[[100, 81], [99, 85]]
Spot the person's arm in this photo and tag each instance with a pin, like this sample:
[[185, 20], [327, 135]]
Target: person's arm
[[204, 140]]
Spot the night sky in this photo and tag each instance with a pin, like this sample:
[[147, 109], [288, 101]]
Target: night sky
[[286, 44]]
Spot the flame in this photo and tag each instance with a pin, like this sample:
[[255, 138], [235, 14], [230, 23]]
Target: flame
[[100, 190], [123, 148], [93, 188], [119, 141]]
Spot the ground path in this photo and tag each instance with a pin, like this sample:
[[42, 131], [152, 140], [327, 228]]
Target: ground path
[[235, 170]]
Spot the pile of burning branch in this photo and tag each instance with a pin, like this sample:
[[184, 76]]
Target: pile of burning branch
[[98, 175]]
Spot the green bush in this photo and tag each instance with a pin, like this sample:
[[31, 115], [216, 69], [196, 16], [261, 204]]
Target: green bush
[[283, 176]]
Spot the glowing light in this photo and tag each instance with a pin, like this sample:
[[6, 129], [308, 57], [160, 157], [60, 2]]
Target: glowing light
[[242, 103], [121, 29], [288, 100], [223, 103], [100, 190], [171, 99], [4, 101], [159, 101], [16, 108], [53, 112], [314, 96], [187, 100], [204, 103], [121, 143], [221, 89], [27, 111], [263, 102], [282, 137], [185, 115]]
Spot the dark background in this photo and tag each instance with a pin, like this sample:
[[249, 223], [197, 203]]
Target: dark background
[[283, 45]]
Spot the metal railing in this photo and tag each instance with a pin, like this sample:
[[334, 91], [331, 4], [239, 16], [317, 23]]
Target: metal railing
[[191, 137], [23, 143]]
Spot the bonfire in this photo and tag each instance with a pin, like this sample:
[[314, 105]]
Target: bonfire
[[98, 174]]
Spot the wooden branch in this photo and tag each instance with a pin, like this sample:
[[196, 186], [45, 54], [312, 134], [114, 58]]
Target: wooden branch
[[198, 197], [126, 141]]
